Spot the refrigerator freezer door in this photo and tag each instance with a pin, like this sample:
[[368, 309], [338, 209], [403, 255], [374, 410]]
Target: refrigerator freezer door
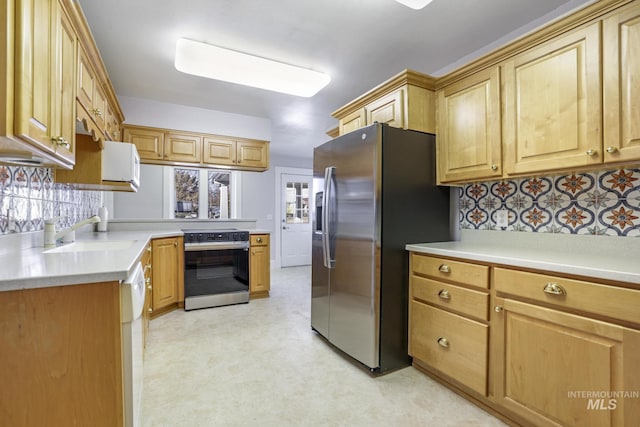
[[354, 289], [319, 273]]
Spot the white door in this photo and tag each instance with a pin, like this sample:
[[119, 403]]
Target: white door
[[296, 220]]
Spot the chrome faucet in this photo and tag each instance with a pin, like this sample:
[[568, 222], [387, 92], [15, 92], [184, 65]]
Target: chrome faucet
[[50, 235]]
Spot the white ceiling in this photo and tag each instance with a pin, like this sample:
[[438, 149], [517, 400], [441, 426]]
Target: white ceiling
[[360, 43]]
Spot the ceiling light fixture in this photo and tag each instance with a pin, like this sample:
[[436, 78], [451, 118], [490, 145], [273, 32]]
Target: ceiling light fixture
[[205, 60], [415, 4]]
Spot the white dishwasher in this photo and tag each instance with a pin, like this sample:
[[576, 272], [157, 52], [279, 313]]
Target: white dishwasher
[[132, 294]]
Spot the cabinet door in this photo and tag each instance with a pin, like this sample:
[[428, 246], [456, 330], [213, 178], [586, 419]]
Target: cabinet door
[[259, 266], [149, 142], [34, 72], [64, 84], [165, 272], [353, 121], [180, 147], [219, 151], [449, 343], [552, 106], [86, 80], [387, 109], [621, 85], [252, 154], [543, 360], [469, 137]]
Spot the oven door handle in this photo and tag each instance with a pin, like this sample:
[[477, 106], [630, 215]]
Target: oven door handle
[[220, 246]]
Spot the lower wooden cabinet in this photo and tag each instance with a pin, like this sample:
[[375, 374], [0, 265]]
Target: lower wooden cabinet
[[259, 266], [545, 359], [147, 267], [61, 357], [553, 350], [451, 344], [167, 274]]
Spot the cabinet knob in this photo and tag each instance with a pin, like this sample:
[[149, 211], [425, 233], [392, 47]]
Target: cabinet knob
[[494, 167], [498, 309], [175, 244], [444, 268], [611, 150], [554, 289], [259, 239], [150, 310], [148, 248], [444, 294], [253, 252], [591, 152], [443, 342], [147, 280], [97, 112]]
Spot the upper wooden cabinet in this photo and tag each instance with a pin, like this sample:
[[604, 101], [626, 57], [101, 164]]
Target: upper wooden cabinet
[[37, 68], [406, 101], [148, 141], [469, 138], [552, 105], [182, 147], [621, 64], [171, 147]]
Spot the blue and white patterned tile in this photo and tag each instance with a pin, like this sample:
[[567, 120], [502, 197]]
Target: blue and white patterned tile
[[536, 187], [575, 219], [503, 189], [574, 185], [535, 219], [620, 219], [20, 182], [621, 182], [6, 175]]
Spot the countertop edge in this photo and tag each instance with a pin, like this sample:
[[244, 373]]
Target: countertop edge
[[592, 268]]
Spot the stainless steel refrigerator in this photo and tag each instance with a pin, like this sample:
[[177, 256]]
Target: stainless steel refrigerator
[[374, 192]]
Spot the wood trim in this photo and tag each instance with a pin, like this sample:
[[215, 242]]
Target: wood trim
[[405, 77], [532, 39], [333, 132], [87, 41]]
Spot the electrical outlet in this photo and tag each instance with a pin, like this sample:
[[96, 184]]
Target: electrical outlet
[[502, 218]]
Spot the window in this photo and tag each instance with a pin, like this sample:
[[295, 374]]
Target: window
[[202, 193], [297, 203]]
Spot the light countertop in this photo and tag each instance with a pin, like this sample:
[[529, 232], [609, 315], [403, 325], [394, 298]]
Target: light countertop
[[601, 257], [36, 268]]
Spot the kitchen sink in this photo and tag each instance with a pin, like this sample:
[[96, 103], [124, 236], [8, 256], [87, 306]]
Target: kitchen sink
[[106, 245]]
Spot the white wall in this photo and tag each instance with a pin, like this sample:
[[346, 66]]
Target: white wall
[[147, 202], [145, 112]]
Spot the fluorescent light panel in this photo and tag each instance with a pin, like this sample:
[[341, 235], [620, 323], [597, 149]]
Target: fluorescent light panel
[[205, 60], [414, 4]]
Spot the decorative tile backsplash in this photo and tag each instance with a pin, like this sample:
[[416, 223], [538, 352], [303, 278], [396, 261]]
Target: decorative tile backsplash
[[28, 196], [598, 203]]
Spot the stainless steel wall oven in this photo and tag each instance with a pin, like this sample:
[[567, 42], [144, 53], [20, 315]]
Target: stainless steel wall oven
[[216, 268]]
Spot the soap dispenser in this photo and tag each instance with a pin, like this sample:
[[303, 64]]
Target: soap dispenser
[[103, 213]]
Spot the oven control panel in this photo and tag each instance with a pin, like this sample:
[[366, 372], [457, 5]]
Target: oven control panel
[[204, 236]]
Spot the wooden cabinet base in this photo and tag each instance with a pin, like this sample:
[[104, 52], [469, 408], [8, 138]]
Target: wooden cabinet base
[[258, 294], [477, 399], [61, 357]]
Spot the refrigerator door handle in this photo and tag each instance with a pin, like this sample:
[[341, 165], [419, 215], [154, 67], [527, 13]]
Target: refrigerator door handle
[[326, 201]]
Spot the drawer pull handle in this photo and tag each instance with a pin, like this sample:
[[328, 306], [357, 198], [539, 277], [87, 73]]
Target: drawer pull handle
[[554, 289], [443, 342], [444, 294], [444, 268]]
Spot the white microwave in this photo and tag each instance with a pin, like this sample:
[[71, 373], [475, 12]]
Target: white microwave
[[121, 163]]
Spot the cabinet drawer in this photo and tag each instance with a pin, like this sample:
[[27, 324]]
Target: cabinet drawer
[[456, 298], [611, 301], [462, 272], [259, 240], [452, 344]]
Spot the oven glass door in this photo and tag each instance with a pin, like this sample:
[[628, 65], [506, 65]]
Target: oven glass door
[[211, 272]]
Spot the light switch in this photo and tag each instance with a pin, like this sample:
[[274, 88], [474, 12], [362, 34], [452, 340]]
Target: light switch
[[502, 218]]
